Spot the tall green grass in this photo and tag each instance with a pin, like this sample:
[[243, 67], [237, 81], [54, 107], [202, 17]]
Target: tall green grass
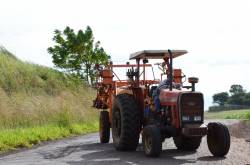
[[231, 114], [41, 103], [11, 139], [17, 76]]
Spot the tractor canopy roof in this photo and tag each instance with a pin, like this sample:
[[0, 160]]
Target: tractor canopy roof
[[156, 54]]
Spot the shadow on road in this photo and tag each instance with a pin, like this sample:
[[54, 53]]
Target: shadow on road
[[97, 153], [211, 158]]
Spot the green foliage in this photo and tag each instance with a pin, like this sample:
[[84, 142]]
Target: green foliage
[[229, 114], [10, 139], [39, 103], [221, 98], [3, 50], [236, 89], [248, 115], [239, 99], [77, 53], [227, 107], [246, 100], [17, 76]]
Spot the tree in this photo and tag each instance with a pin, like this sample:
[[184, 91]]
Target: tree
[[236, 89], [77, 53], [246, 100], [237, 99], [220, 98], [237, 95]]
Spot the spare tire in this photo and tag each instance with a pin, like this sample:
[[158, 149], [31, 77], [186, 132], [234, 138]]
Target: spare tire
[[126, 123], [218, 139]]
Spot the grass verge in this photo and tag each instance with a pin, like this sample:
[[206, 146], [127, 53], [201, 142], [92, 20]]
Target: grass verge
[[11, 139], [38, 103], [231, 114]]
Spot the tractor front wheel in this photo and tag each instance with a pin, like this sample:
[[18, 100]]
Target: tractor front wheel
[[187, 143], [104, 127], [218, 139], [126, 123], [152, 141]]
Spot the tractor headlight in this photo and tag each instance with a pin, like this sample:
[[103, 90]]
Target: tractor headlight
[[197, 118], [185, 118]]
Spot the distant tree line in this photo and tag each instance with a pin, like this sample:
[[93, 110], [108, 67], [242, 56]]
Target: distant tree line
[[77, 53], [237, 98]]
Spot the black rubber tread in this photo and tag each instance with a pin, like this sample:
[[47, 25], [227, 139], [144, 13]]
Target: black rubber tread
[[218, 139], [128, 139], [104, 127], [153, 132], [187, 143]]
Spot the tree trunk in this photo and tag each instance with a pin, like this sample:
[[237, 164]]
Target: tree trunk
[[87, 74], [88, 67]]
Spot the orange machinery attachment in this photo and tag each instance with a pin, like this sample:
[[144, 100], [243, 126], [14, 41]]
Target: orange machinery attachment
[[107, 86], [107, 76]]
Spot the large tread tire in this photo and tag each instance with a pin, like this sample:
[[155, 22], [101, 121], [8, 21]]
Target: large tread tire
[[152, 141], [218, 139], [104, 127], [126, 123], [187, 143]]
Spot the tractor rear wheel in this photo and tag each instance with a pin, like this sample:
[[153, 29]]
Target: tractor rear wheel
[[218, 139], [126, 123], [187, 143], [104, 127], [152, 141]]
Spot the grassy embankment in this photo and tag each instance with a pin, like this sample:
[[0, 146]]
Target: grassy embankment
[[38, 104], [232, 114]]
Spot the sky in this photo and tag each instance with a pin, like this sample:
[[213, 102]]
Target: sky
[[216, 33]]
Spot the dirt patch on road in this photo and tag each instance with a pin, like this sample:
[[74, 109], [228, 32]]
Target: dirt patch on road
[[240, 130]]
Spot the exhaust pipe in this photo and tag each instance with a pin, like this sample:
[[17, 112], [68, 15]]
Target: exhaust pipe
[[170, 69]]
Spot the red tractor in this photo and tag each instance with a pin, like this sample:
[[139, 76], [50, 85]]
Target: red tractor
[[155, 108]]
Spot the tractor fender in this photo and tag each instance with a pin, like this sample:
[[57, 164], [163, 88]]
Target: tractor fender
[[123, 91]]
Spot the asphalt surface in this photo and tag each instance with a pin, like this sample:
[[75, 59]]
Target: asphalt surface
[[87, 150]]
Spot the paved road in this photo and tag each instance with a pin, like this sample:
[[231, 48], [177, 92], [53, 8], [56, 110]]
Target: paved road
[[86, 150]]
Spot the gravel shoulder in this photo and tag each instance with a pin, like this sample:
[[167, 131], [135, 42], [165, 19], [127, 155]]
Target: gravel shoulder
[[87, 150]]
